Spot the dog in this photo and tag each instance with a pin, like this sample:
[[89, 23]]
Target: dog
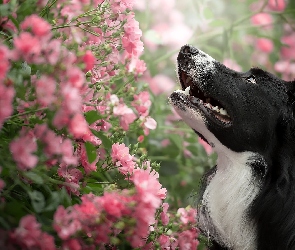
[[247, 200]]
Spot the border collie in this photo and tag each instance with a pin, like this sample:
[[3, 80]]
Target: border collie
[[247, 201]]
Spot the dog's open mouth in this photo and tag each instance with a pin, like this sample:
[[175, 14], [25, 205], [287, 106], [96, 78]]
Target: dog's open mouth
[[198, 97]]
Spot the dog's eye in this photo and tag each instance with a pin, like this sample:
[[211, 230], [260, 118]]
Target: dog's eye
[[251, 79]]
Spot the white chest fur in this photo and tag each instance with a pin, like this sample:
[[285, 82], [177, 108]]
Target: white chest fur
[[226, 199]]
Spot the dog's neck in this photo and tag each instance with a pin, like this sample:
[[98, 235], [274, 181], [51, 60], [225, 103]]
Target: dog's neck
[[227, 198]]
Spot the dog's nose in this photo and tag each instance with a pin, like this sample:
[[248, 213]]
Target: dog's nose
[[189, 50]]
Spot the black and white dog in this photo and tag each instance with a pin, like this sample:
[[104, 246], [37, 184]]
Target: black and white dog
[[248, 199]]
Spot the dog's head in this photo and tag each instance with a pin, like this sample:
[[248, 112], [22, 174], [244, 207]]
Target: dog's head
[[238, 110]]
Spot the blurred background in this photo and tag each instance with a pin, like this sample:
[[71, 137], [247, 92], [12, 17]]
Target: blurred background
[[241, 34]]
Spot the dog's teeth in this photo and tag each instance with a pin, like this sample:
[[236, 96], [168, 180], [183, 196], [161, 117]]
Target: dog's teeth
[[216, 108], [186, 91], [223, 111]]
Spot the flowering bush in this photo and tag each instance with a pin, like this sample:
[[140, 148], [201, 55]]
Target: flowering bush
[[69, 105], [84, 122]]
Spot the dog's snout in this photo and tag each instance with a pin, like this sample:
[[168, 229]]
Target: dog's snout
[[189, 50]]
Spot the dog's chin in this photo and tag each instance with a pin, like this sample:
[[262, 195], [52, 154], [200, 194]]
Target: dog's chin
[[198, 114]]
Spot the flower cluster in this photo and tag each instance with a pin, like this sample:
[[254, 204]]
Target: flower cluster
[[104, 218], [67, 103]]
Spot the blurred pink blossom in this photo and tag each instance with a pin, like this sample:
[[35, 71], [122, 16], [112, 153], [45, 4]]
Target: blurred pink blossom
[[206, 146], [39, 26], [22, 149], [89, 60], [6, 102], [288, 51], [78, 126], [262, 19], [28, 235], [160, 84], [27, 46], [4, 61], [232, 64], [265, 45], [277, 5], [45, 90]]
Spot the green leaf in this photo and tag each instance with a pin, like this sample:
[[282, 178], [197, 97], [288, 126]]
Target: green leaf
[[169, 168], [37, 200], [34, 177], [177, 140], [53, 201], [106, 142], [208, 14], [15, 22], [91, 151], [92, 116], [65, 198], [26, 69]]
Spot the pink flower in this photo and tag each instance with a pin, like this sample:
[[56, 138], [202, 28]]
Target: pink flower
[[89, 60], [76, 77], [4, 63], [288, 52], [187, 215], [120, 6], [164, 241], [61, 118], [265, 45], [71, 244], [67, 151], [126, 115], [6, 99], [148, 124], [142, 103], [27, 45], [78, 126], [53, 51], [132, 45], [131, 39], [232, 64], [39, 26], [187, 240], [113, 204], [66, 222], [137, 66], [72, 177], [122, 158], [277, 5], [22, 150], [161, 84], [72, 99], [45, 90], [28, 235], [164, 216], [262, 19], [148, 186]]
